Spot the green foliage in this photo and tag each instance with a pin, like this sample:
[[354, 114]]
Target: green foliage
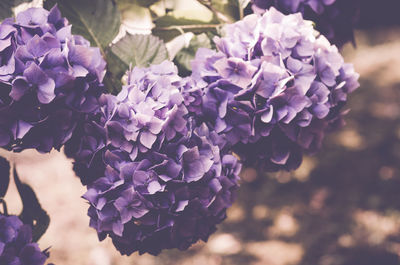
[[147, 3], [229, 8], [140, 50], [98, 21], [209, 18], [186, 55], [134, 50], [133, 12], [32, 212], [169, 27], [184, 16], [144, 3], [227, 11], [6, 7]]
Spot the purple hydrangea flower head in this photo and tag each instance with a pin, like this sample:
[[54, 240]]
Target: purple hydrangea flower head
[[49, 79], [147, 111], [335, 19], [166, 181], [170, 198], [272, 89], [16, 246]]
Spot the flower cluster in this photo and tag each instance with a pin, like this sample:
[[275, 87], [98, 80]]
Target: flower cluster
[[335, 19], [166, 181], [49, 79], [272, 89], [16, 245]]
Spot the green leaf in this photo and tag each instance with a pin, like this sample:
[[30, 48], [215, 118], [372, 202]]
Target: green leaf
[[184, 57], [116, 69], [98, 21], [186, 16], [140, 50], [227, 11], [135, 50], [230, 8], [147, 3], [144, 3], [135, 18], [6, 7], [169, 27], [4, 176], [32, 213]]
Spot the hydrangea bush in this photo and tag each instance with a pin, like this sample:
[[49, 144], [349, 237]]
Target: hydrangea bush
[[161, 157], [272, 89], [49, 80], [335, 19]]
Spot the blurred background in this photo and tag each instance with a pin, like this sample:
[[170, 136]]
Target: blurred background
[[341, 207]]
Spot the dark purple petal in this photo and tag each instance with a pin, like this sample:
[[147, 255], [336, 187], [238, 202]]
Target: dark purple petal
[[20, 86]]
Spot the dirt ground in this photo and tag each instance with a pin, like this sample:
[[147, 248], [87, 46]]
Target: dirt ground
[[342, 207]]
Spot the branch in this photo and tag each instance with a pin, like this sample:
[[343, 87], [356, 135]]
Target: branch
[[188, 27]]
